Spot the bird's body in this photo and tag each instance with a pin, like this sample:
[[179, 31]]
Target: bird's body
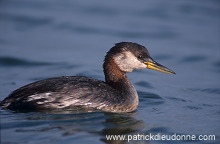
[[116, 94], [68, 92]]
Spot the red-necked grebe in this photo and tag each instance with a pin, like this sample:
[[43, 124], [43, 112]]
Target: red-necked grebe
[[116, 94]]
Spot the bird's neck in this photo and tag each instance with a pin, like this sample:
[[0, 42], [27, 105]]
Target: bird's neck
[[116, 78]]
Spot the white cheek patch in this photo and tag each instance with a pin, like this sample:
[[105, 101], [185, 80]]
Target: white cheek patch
[[127, 62]]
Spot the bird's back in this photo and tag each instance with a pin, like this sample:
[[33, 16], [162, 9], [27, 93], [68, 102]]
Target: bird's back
[[62, 92]]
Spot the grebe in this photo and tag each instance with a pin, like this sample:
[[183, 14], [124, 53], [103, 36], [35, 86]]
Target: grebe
[[116, 94]]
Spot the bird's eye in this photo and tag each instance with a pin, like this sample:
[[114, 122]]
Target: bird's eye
[[140, 56]]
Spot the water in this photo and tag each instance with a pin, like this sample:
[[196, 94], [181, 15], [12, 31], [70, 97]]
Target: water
[[42, 39]]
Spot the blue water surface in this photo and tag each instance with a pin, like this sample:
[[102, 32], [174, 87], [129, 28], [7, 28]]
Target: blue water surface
[[42, 39]]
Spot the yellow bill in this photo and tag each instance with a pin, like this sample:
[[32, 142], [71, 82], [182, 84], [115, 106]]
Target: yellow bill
[[158, 67]]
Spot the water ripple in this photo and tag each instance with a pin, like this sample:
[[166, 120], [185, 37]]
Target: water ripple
[[101, 11], [149, 95], [11, 61], [25, 22], [127, 34], [206, 90], [177, 99], [216, 65], [149, 99], [193, 107], [144, 84], [194, 58], [197, 9]]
